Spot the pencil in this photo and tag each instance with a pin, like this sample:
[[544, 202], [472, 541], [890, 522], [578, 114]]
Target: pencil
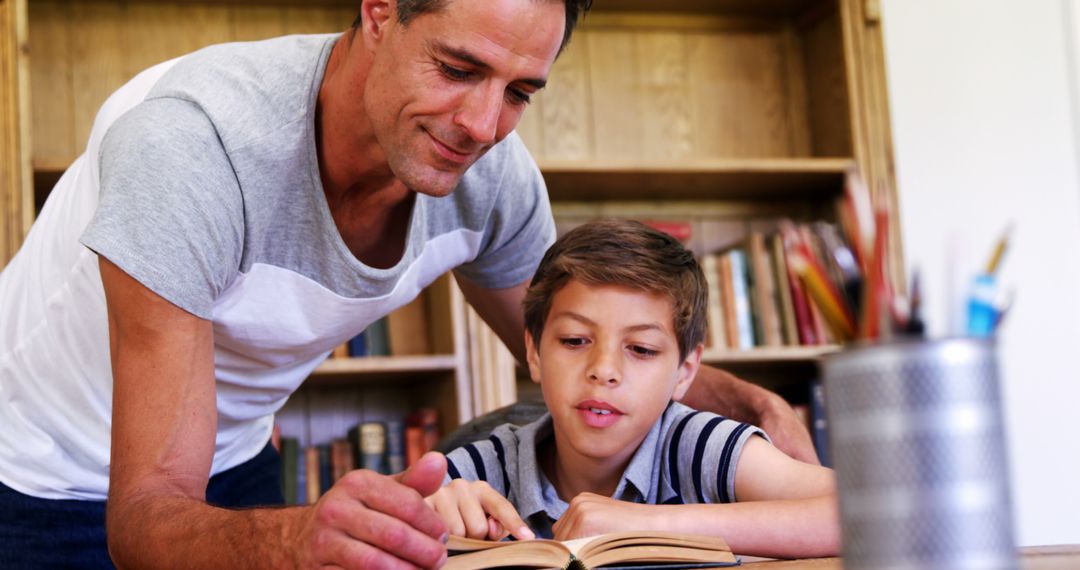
[[999, 251]]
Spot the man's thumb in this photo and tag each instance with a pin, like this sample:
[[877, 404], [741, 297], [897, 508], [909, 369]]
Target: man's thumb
[[426, 475]]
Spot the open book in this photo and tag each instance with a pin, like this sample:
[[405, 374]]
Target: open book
[[627, 549]]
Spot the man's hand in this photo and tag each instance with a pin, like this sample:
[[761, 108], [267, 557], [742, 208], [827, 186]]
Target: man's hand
[[475, 510], [590, 515], [787, 431], [717, 391], [367, 520]]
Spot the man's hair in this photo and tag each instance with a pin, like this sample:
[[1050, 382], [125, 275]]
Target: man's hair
[[629, 254], [407, 10]]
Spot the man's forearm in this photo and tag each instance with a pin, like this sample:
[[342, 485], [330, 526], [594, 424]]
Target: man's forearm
[[155, 531]]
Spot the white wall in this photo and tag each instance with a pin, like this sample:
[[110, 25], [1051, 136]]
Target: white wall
[[984, 123]]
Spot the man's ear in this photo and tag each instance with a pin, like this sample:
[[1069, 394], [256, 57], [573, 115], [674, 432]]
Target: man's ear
[[687, 371], [376, 16], [532, 357]]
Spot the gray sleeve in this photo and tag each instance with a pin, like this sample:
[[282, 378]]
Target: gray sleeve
[[171, 213], [708, 451], [520, 228]]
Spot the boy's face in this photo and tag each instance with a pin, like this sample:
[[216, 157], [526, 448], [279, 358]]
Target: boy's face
[[608, 364]]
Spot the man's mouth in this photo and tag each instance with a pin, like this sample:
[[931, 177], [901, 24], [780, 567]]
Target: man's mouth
[[449, 152]]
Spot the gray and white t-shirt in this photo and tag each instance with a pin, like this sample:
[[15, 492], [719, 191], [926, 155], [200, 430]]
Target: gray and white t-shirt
[[208, 181]]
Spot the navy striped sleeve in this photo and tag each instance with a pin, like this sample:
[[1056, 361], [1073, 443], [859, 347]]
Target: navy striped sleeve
[[701, 456], [483, 460]]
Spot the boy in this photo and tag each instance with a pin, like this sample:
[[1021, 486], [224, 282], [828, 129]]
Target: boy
[[615, 317]]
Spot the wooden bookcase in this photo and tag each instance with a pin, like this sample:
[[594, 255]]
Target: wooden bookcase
[[731, 113]]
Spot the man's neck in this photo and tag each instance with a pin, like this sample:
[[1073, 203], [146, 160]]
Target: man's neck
[[350, 158]]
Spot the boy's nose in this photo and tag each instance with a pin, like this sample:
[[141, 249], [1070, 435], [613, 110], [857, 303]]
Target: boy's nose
[[604, 368]]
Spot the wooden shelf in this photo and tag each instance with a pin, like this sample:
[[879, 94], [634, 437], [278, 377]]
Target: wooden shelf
[[779, 355], [378, 368], [767, 178]]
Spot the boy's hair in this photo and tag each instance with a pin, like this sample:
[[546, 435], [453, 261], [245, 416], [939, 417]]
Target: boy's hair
[[626, 253]]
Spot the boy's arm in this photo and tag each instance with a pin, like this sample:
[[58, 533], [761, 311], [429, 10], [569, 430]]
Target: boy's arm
[[787, 509], [717, 391], [475, 510], [713, 389]]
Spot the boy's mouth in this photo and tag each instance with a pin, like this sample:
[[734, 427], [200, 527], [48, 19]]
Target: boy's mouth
[[597, 413]]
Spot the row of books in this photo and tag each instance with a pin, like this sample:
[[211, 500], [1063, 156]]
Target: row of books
[[386, 447], [401, 333], [759, 298]]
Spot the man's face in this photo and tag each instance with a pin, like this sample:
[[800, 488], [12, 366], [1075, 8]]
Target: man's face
[[608, 364], [448, 86]]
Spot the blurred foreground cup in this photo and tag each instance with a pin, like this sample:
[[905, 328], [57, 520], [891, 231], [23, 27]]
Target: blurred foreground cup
[[918, 445]]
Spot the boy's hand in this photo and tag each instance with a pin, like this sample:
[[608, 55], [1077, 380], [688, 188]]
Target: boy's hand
[[590, 515], [475, 510]]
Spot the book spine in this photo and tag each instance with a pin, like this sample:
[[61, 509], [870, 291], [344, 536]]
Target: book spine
[[290, 450], [373, 447], [358, 346], [395, 446], [314, 487], [742, 299], [377, 336]]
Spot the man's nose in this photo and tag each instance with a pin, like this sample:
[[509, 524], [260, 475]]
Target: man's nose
[[479, 113]]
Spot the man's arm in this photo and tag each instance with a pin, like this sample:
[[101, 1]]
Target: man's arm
[[720, 392], [713, 389], [163, 436]]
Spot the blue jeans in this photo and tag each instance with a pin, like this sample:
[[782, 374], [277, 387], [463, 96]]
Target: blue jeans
[[47, 533]]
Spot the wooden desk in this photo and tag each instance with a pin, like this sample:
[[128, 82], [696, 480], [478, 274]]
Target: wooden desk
[[1064, 557]]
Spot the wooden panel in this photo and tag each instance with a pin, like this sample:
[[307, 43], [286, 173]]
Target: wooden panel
[[98, 60], [614, 93], [159, 32], [53, 119], [794, 77], [739, 98], [257, 22], [665, 96], [827, 89], [566, 121], [16, 209], [313, 20]]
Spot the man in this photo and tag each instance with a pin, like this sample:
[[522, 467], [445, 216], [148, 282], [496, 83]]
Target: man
[[259, 204]]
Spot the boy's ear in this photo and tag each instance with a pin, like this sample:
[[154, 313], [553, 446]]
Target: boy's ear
[[687, 371], [376, 15], [532, 357]]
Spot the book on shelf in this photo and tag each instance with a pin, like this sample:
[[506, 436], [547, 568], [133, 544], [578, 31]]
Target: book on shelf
[[358, 345], [421, 433], [714, 338], [290, 469], [643, 549], [768, 309], [377, 336], [788, 317], [313, 488], [372, 445], [395, 446]]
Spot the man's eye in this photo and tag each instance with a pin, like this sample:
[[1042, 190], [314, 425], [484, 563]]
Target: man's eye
[[518, 97], [453, 72], [642, 351]]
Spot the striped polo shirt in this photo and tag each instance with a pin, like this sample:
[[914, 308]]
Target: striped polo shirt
[[688, 456]]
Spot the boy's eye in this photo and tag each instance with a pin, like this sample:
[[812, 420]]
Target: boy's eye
[[572, 341], [453, 72], [642, 351]]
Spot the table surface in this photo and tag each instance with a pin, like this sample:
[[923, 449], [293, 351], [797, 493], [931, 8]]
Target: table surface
[[1062, 557]]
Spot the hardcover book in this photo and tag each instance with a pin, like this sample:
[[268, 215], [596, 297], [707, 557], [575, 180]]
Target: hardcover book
[[645, 549]]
